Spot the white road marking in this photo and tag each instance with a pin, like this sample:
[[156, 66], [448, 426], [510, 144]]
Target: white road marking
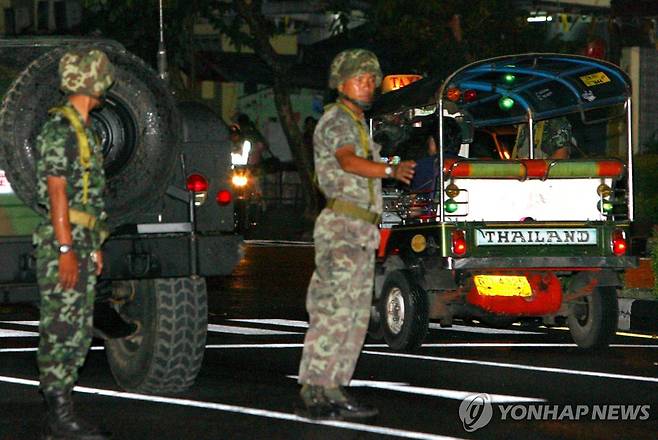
[[30, 323], [597, 374], [283, 322], [243, 410], [246, 330], [17, 334], [487, 330], [403, 387]]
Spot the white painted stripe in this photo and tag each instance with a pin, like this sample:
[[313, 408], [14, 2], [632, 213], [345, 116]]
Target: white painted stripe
[[279, 243], [17, 334], [246, 330], [597, 374], [244, 410], [434, 392], [300, 345], [486, 330], [284, 322], [30, 323]]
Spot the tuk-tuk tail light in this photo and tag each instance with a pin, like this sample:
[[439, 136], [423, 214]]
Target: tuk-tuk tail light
[[459, 246], [619, 245]]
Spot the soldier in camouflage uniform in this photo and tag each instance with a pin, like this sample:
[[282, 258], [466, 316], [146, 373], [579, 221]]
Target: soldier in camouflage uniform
[[71, 182], [339, 297], [552, 139]]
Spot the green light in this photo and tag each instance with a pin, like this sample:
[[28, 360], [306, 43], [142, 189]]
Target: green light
[[450, 206], [505, 103], [509, 78], [605, 206]]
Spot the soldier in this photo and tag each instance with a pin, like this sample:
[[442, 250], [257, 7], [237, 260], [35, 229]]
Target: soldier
[[339, 297], [553, 140], [70, 185]]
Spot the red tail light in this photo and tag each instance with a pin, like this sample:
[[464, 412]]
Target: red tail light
[[619, 242], [224, 197], [458, 242], [197, 183]]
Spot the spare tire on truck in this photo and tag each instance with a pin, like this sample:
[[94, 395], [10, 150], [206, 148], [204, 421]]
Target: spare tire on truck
[[139, 127]]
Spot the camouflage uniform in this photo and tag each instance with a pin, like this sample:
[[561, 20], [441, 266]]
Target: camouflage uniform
[[555, 134], [340, 292], [66, 315]]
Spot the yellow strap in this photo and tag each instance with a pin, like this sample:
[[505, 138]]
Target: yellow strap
[[363, 139], [539, 135], [83, 145]]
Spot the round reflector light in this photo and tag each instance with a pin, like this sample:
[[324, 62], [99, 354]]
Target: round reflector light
[[470, 95], [224, 197], [197, 183], [505, 103]]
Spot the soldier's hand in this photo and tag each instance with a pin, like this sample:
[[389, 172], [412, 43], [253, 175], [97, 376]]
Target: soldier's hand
[[68, 270], [97, 256], [404, 171]]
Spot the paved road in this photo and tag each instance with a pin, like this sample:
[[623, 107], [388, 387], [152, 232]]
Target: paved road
[[246, 387]]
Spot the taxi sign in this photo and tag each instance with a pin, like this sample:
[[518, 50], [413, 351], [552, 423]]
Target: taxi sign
[[394, 82]]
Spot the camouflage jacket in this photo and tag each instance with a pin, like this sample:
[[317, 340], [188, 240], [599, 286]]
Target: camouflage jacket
[[335, 129], [57, 154], [555, 134]]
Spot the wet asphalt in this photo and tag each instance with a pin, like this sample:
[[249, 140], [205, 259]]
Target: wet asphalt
[[246, 388]]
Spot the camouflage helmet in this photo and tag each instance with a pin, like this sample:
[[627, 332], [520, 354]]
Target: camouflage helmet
[[353, 62], [85, 73]]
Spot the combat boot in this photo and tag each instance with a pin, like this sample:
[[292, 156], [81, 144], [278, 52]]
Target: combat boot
[[348, 406], [63, 424], [314, 405]]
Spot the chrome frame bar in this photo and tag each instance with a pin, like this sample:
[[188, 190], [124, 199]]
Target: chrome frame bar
[[629, 141]]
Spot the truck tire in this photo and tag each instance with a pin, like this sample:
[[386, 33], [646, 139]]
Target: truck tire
[[593, 320], [139, 130], [403, 308], [166, 353]]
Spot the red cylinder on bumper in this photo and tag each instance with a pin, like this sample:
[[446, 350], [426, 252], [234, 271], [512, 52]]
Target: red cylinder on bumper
[[509, 296]]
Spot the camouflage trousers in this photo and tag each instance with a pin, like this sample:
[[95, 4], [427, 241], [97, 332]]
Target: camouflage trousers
[[338, 303], [66, 323]]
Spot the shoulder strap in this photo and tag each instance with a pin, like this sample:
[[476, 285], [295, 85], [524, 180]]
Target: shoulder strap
[[365, 145], [84, 155]]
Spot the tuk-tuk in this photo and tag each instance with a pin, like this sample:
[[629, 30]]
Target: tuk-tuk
[[506, 233]]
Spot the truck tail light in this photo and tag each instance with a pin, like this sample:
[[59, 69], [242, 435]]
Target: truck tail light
[[197, 183], [619, 242], [458, 242], [224, 197]]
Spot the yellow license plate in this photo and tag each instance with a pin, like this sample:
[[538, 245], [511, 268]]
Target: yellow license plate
[[502, 285]]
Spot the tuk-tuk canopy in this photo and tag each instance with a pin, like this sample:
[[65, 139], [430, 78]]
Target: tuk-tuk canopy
[[508, 90]]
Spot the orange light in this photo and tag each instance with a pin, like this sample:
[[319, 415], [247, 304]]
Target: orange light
[[197, 183], [453, 94], [394, 82], [224, 197], [459, 242], [619, 242]]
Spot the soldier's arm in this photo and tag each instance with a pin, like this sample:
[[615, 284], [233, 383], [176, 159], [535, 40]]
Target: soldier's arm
[[59, 217], [351, 163]]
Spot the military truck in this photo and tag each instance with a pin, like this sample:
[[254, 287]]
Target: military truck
[[502, 237], [169, 203]]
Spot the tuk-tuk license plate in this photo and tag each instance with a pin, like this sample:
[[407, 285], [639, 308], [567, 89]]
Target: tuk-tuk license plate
[[502, 285]]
